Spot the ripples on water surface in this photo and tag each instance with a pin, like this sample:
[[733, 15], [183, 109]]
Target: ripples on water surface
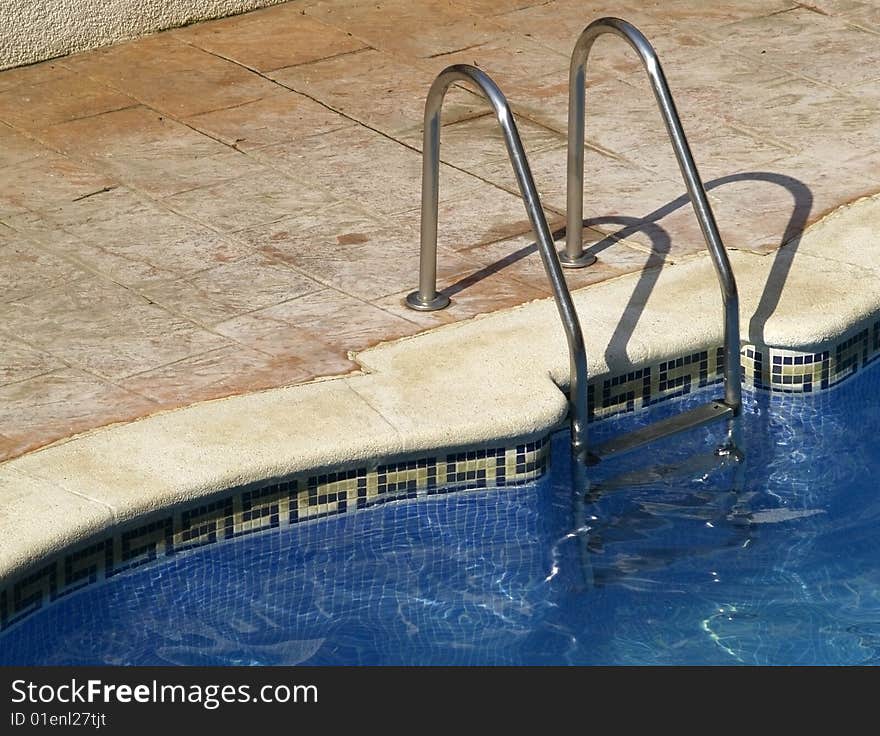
[[677, 561]]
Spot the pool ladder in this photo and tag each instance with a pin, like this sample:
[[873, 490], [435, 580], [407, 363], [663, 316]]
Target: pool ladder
[[427, 298]]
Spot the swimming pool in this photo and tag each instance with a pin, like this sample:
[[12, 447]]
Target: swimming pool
[[669, 557]]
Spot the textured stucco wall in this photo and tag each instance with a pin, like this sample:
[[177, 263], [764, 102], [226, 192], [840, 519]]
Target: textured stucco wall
[[32, 30]]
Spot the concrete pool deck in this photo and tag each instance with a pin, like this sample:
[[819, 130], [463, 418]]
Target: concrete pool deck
[[232, 207]]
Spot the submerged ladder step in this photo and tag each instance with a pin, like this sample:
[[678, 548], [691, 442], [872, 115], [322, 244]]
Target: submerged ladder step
[[691, 419]]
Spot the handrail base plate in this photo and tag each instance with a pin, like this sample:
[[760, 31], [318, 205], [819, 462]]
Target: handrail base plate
[[415, 301], [582, 261]]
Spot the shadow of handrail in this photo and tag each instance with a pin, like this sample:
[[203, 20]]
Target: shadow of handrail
[[661, 243], [797, 221], [660, 246], [791, 238]]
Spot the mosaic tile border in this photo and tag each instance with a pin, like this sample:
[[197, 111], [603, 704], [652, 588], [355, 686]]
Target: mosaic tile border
[[272, 505], [764, 368], [649, 385], [808, 371], [280, 503]]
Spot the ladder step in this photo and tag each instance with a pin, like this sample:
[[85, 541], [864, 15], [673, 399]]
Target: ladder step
[[691, 419], [693, 466]]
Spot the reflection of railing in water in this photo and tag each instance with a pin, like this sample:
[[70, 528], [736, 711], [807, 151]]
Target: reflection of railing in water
[[427, 297], [729, 506]]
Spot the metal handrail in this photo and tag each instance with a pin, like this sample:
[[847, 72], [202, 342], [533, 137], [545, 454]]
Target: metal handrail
[[574, 252], [427, 297]]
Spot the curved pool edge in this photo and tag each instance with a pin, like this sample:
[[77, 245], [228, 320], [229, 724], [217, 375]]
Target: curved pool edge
[[490, 383]]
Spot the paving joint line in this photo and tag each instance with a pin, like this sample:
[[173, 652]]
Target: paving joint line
[[60, 486], [356, 121]]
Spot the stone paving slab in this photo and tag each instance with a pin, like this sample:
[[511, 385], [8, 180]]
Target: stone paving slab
[[233, 206]]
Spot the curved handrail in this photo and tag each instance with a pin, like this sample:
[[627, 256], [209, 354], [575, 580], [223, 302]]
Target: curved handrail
[[575, 180], [428, 299]]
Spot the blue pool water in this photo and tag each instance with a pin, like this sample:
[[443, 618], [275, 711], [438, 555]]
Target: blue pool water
[[670, 557]]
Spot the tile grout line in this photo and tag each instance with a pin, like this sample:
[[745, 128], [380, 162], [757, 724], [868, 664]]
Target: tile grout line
[[60, 486], [755, 59], [394, 429], [554, 210], [74, 365], [341, 54], [161, 204], [363, 124]]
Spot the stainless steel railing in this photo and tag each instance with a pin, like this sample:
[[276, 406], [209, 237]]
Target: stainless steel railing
[[574, 255], [427, 298]]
